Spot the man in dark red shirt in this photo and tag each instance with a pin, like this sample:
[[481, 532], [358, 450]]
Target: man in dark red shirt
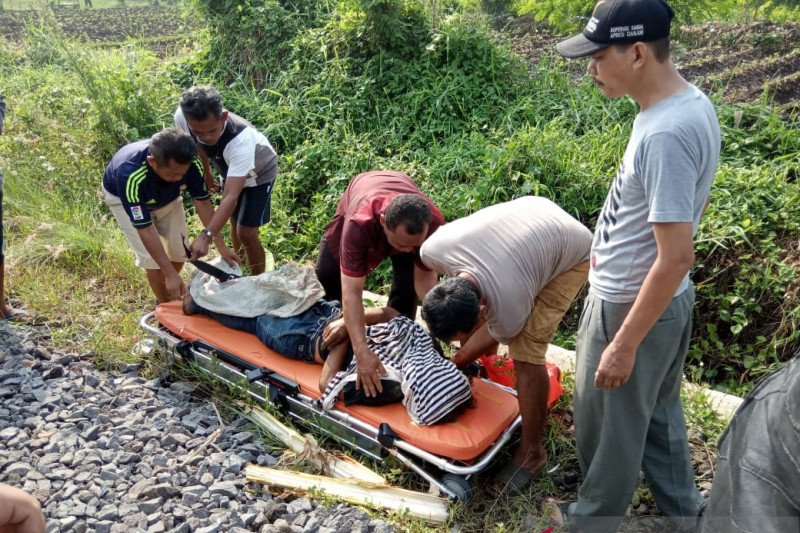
[[381, 214]]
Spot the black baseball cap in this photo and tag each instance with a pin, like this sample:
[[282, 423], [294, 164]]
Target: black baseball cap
[[620, 21]]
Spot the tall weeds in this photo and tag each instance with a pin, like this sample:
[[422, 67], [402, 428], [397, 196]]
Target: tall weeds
[[449, 103]]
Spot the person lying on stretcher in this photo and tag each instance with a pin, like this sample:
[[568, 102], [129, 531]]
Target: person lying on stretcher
[[429, 385]]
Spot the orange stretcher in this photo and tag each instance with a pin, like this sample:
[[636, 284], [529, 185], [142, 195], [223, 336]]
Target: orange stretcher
[[457, 449]]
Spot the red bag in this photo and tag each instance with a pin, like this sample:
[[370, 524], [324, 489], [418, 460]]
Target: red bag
[[500, 369]]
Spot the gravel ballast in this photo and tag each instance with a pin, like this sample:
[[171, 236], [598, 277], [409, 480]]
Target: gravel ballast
[[110, 452]]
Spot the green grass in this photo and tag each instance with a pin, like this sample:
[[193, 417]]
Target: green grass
[[445, 103]]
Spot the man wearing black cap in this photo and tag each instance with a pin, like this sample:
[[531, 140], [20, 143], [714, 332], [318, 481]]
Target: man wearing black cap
[[636, 325]]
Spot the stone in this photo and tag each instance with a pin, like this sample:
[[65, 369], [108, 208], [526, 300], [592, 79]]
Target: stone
[[224, 488], [162, 490], [149, 507], [54, 372], [299, 505]]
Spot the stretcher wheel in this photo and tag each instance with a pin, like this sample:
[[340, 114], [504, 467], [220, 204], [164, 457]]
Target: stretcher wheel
[[459, 486]]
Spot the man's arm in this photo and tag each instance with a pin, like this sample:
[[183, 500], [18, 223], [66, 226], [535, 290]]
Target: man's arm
[[206, 213], [336, 331], [675, 258], [230, 196], [480, 343], [208, 175], [369, 368], [152, 243], [424, 281]]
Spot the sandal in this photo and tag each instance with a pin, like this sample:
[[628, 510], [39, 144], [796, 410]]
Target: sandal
[[513, 477]]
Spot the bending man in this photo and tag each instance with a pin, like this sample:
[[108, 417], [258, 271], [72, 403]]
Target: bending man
[[381, 214], [142, 186], [517, 267]]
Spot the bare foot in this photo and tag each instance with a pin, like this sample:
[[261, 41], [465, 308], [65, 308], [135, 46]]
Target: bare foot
[[531, 458], [516, 478], [13, 315], [551, 509], [187, 307]]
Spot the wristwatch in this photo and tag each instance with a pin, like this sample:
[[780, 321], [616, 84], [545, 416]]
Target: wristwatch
[[208, 234]]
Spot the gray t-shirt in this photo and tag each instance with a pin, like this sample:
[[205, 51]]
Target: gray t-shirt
[[512, 250], [665, 176]]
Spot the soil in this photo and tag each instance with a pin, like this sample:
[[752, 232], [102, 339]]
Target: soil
[[163, 28], [735, 60]]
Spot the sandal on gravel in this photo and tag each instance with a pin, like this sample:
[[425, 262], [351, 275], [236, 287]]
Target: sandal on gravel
[[512, 477]]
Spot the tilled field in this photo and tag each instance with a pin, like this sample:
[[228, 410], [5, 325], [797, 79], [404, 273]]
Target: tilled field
[[160, 26], [738, 61]]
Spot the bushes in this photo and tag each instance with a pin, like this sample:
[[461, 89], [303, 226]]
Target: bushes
[[446, 104], [748, 255], [452, 107]]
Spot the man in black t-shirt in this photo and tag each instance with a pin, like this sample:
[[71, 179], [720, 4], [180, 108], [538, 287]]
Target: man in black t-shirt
[[142, 186]]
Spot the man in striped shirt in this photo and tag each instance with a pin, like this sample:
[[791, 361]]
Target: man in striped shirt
[[142, 186]]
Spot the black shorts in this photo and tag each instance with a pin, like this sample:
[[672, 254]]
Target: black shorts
[[253, 207], [402, 296]]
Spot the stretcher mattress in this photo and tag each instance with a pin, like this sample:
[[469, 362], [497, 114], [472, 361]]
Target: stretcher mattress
[[463, 440]]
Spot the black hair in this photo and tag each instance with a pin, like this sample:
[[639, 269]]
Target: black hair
[[660, 48], [200, 101], [451, 307], [172, 144], [410, 210]]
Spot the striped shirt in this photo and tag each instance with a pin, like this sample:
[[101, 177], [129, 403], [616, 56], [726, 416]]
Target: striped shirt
[[432, 385], [130, 178]]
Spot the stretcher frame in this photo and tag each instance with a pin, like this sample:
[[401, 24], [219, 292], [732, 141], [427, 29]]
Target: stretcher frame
[[267, 386]]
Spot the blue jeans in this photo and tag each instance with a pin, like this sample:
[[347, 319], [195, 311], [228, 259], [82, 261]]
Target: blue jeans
[[294, 337]]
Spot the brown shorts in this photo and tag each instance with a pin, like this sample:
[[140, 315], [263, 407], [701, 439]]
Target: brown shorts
[[549, 307], [170, 224]]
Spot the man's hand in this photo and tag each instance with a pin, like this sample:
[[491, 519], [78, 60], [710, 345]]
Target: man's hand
[[19, 512], [334, 333], [211, 183], [616, 365], [199, 246], [369, 370], [229, 256], [175, 287]]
